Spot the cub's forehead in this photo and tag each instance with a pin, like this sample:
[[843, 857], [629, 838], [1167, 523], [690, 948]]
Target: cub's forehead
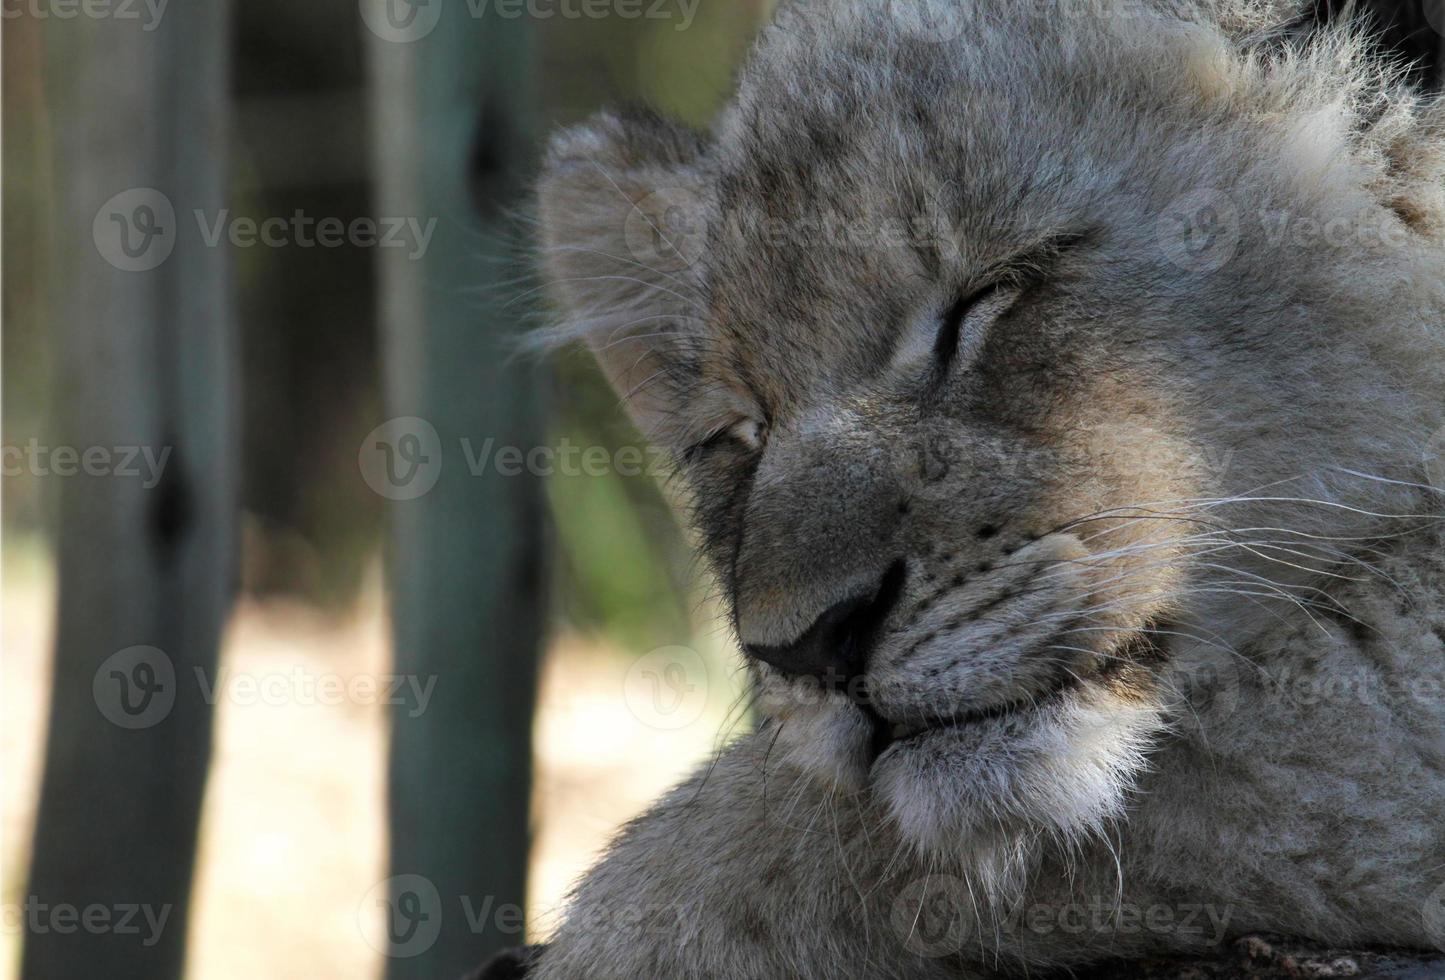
[[875, 158], [813, 269], [849, 186]]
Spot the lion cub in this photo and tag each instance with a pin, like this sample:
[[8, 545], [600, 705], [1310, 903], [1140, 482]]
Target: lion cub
[[1060, 393]]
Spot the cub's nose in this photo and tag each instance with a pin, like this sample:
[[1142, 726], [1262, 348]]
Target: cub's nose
[[835, 648]]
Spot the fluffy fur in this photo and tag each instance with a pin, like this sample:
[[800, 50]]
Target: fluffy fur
[[1169, 628]]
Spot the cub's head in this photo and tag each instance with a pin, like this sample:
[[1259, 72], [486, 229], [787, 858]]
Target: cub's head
[[1018, 358]]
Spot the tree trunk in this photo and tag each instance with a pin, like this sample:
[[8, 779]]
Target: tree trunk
[[452, 113], [145, 359]]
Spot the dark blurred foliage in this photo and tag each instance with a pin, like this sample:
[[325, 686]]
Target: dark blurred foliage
[[307, 315]]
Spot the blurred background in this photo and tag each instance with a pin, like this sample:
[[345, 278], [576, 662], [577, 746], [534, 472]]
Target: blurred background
[[337, 637], [389, 712]]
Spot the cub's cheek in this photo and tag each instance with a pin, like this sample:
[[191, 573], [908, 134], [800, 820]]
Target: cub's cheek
[[832, 746], [813, 731]]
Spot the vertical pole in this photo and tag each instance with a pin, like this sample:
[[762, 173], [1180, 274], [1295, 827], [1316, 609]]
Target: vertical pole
[[453, 105], [147, 521]]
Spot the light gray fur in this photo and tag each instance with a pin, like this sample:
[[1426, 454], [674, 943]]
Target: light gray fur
[[1194, 480]]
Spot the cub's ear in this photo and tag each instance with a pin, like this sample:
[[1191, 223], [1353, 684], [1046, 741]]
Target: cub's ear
[[511, 964], [1399, 136], [625, 206]]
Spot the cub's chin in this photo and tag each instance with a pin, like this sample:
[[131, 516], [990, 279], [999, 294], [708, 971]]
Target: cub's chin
[[1062, 764], [1059, 764]]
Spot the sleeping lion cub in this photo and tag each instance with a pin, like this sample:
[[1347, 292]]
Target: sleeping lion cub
[[1060, 392]]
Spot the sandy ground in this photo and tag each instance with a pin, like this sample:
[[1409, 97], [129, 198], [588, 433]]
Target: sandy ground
[[294, 815]]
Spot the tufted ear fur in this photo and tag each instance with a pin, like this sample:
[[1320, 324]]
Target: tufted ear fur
[[1245, 19], [624, 208], [1322, 51]]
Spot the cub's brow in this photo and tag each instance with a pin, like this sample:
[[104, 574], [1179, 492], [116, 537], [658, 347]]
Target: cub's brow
[[1026, 267], [1034, 262]]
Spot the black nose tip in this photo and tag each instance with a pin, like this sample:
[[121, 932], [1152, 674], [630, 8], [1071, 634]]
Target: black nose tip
[[835, 648]]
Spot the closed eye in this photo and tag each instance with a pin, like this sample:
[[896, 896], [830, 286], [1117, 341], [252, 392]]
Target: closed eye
[[745, 434], [964, 326]]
